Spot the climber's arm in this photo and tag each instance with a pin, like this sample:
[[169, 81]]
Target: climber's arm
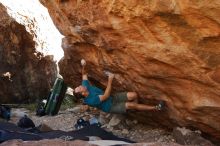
[[108, 88], [84, 73]]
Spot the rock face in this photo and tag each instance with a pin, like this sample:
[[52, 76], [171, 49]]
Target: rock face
[[54, 142], [58, 142], [165, 50], [24, 73]]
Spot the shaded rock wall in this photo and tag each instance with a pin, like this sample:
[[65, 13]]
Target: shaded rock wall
[[165, 50], [24, 73]]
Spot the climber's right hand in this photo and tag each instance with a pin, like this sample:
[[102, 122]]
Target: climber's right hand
[[83, 62]]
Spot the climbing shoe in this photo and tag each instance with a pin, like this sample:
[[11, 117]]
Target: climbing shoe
[[160, 106]]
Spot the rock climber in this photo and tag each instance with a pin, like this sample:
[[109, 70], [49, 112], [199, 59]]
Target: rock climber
[[107, 102]]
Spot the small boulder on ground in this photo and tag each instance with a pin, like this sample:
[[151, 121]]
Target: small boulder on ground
[[187, 137]]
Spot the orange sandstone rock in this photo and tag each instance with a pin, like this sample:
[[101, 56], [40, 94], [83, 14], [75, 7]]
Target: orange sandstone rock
[[166, 49]]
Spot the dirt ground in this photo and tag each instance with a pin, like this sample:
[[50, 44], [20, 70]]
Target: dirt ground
[[119, 125]]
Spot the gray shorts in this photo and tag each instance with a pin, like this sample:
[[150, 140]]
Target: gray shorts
[[118, 103]]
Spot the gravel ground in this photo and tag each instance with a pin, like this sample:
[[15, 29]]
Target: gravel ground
[[118, 124]]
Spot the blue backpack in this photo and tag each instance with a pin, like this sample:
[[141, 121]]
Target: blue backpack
[[25, 123], [5, 112]]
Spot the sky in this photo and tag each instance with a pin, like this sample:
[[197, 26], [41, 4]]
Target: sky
[[48, 38]]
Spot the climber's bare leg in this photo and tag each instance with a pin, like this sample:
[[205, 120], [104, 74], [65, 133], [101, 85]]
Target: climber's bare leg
[[140, 107], [132, 96]]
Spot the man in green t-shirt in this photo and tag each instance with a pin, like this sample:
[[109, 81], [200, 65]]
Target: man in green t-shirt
[[107, 102]]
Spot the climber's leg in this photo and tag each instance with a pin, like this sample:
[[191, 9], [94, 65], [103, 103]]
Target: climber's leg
[[132, 96], [141, 107]]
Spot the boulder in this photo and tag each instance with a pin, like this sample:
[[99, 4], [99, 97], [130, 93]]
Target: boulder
[[164, 50], [25, 74], [188, 137]]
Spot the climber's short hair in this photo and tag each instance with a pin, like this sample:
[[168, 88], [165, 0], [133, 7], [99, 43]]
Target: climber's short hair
[[78, 95]]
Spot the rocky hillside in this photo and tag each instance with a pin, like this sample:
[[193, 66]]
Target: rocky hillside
[[25, 74], [165, 50]]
